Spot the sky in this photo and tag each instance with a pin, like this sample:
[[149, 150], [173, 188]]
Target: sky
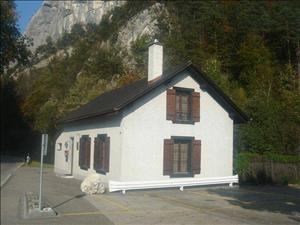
[[26, 9]]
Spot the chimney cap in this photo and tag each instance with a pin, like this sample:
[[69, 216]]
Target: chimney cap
[[155, 41]]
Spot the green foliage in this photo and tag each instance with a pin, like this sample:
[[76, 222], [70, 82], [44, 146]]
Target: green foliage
[[59, 89], [251, 167], [245, 158], [38, 164], [248, 48], [15, 131], [139, 50], [77, 33], [243, 161], [281, 158], [13, 44], [45, 118], [84, 90], [46, 49]]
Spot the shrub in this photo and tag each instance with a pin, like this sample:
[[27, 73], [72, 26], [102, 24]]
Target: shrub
[[251, 167]]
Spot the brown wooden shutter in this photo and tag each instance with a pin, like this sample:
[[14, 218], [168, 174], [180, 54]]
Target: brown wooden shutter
[[106, 154], [84, 152], [96, 153], [196, 157], [196, 106], [171, 104], [101, 154], [88, 152], [81, 151], [168, 157]]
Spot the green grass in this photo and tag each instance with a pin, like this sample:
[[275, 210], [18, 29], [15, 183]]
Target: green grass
[[295, 182], [37, 164]]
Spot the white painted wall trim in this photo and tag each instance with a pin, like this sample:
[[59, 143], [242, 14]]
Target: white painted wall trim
[[176, 182]]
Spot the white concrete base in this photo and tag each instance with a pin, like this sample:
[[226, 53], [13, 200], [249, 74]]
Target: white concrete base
[[174, 182]]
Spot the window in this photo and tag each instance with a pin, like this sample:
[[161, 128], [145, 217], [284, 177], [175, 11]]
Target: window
[[59, 146], [101, 153], [84, 152], [183, 105], [182, 156]]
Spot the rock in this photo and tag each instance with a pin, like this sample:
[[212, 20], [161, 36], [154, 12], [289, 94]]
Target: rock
[[56, 17], [101, 188], [144, 23], [92, 185]]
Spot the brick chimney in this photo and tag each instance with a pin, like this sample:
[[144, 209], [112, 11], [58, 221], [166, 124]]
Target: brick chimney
[[155, 60]]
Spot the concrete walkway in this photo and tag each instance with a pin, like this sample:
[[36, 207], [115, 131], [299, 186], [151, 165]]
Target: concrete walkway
[[63, 194]]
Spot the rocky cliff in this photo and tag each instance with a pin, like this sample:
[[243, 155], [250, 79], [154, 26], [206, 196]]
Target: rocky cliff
[[56, 17], [144, 23]]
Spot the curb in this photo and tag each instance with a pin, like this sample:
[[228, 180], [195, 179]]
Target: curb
[[10, 175]]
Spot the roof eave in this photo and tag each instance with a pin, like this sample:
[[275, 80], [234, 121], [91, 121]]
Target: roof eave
[[112, 112], [155, 85]]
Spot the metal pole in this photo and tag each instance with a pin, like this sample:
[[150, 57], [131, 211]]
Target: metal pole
[[41, 172]]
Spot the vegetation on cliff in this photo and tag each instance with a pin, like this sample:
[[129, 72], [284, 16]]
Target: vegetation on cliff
[[248, 48]]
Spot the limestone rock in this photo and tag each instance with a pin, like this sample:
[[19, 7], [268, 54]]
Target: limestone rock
[[92, 185], [144, 23], [56, 17]]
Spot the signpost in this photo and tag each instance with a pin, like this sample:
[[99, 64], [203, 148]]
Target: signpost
[[44, 148]]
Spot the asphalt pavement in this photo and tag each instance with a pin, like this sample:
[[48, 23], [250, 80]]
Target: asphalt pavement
[[255, 205], [251, 205], [9, 165], [63, 194]]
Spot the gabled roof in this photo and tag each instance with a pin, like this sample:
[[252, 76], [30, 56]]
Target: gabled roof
[[113, 101]]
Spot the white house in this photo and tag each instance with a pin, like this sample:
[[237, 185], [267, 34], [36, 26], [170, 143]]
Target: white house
[[172, 129]]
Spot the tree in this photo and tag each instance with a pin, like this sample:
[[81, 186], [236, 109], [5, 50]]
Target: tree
[[46, 49], [13, 43]]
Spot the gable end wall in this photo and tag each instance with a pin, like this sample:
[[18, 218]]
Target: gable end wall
[[144, 128]]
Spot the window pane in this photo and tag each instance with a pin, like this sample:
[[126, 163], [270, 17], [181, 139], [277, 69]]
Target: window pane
[[183, 166], [175, 157], [183, 157], [184, 99], [177, 103], [182, 106]]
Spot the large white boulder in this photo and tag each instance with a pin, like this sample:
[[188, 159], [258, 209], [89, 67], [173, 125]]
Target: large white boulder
[[92, 185]]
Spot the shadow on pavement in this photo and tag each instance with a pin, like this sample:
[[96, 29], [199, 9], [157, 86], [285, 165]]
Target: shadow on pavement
[[68, 200], [285, 200]]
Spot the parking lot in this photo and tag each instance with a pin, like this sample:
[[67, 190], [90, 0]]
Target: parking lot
[[222, 205]]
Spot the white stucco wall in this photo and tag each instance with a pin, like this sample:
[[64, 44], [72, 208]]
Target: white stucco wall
[[137, 136], [144, 128], [109, 126]]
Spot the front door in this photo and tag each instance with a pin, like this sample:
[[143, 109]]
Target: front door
[[69, 156]]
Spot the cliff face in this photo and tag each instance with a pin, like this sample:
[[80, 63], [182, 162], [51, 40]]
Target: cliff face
[[56, 17], [144, 23]]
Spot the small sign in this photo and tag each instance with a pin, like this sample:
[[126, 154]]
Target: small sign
[[45, 144]]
